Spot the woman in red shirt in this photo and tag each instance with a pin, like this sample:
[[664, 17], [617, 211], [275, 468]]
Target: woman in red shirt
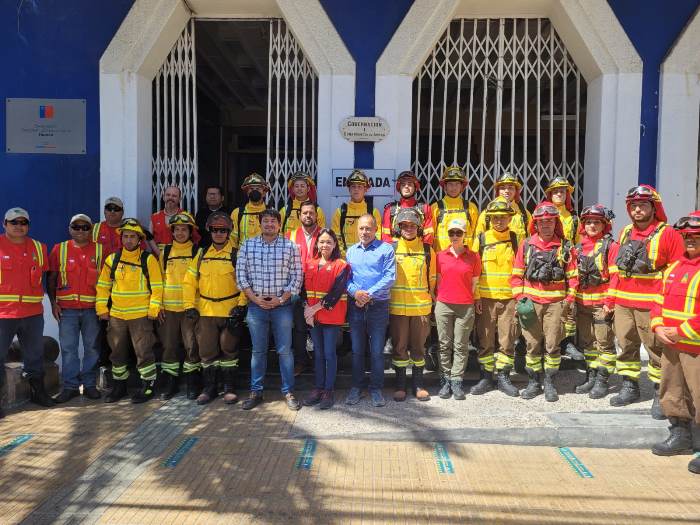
[[458, 271], [325, 279]]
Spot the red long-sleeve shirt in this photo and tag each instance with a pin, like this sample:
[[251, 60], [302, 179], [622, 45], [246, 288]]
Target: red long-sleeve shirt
[[408, 203], [678, 303], [544, 293], [597, 295], [640, 290]]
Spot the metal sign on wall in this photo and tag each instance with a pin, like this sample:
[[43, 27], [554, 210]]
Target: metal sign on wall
[[45, 125], [381, 182], [364, 129]]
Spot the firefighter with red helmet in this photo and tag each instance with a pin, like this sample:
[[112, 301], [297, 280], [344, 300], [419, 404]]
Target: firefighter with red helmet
[[453, 206], [675, 319], [544, 281], [301, 188], [407, 184], [595, 261], [647, 247], [508, 187]]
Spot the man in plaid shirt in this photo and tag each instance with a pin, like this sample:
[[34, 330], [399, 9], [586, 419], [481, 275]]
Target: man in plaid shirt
[[269, 272]]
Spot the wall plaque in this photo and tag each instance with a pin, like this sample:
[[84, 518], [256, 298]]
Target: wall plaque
[[364, 129], [45, 125]]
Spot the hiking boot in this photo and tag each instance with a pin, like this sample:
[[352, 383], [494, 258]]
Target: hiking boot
[[193, 381], [445, 387], [629, 393], [254, 399], [656, 410], [354, 396], [314, 398], [600, 388], [145, 393], [38, 393], [326, 400], [589, 383], [228, 375], [417, 379], [292, 401], [170, 386], [568, 349], [400, 391], [679, 440], [484, 385], [91, 392], [211, 388], [377, 397], [693, 466], [534, 387], [458, 392], [118, 391], [504, 384], [65, 395], [550, 391]]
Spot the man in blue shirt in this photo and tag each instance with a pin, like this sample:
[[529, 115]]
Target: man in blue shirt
[[373, 274]]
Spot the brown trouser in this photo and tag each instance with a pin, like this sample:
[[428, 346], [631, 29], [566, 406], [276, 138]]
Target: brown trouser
[[217, 346], [177, 332], [408, 335], [548, 326], [142, 336], [496, 323], [632, 329], [596, 337], [454, 325], [680, 384]]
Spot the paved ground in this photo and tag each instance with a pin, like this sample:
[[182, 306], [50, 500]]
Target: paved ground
[[175, 462]]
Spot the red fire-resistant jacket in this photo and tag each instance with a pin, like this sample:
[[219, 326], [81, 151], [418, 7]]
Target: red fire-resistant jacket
[[21, 269], [306, 251], [327, 284]]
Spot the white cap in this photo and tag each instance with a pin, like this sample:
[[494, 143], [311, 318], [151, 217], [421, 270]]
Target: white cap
[[16, 213], [457, 224], [80, 217]]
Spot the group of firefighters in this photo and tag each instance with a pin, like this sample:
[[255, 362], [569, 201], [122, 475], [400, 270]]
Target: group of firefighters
[[557, 279]]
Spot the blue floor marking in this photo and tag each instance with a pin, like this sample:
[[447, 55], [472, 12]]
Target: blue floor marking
[[306, 455], [180, 451], [575, 463], [9, 447], [444, 463]]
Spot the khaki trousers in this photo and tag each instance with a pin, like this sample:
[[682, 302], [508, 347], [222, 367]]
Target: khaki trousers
[[216, 345], [632, 329], [454, 326], [596, 337], [408, 335], [177, 332], [550, 327], [496, 329], [140, 332], [680, 384]]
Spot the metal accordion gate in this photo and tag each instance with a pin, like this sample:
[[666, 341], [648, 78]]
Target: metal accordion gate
[[499, 95]]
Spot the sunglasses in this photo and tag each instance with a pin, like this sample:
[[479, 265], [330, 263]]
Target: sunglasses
[[18, 222], [113, 208], [219, 230], [81, 227], [455, 233]]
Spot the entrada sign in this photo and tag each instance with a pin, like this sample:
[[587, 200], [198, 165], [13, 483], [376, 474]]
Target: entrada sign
[[364, 129]]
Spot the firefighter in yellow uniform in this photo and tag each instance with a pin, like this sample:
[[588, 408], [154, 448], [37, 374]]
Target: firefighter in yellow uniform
[[301, 189], [344, 222], [177, 331], [411, 302], [212, 298], [246, 219], [496, 324], [453, 206], [508, 187], [131, 278]]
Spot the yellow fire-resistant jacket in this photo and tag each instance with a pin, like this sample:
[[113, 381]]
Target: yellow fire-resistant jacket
[[517, 224], [250, 223], [208, 282], [131, 298], [355, 211], [293, 221], [570, 224], [179, 259], [497, 258], [412, 292], [454, 209]]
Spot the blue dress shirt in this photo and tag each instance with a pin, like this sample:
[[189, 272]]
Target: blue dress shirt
[[373, 269]]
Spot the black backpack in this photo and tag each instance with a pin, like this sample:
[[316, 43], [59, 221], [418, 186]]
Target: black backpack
[[482, 242], [369, 201], [426, 255], [441, 211], [166, 254], [143, 266]]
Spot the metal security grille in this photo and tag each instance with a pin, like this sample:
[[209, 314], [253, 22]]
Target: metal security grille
[[496, 95], [291, 112], [175, 123]]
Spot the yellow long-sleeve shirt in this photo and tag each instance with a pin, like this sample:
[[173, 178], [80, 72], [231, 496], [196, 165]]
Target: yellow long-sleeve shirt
[[129, 292], [454, 209], [412, 292], [250, 223], [517, 224], [349, 236], [497, 256], [293, 221], [179, 260], [570, 224], [206, 283]]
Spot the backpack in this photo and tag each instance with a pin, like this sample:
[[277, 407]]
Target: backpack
[[544, 266], [166, 254], [242, 212], [633, 256], [369, 201], [287, 212], [589, 274], [426, 256], [482, 242], [441, 211], [234, 254], [143, 266]]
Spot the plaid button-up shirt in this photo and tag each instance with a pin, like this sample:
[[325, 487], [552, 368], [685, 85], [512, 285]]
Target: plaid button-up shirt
[[269, 268]]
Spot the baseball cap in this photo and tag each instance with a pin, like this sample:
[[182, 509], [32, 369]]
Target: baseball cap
[[80, 217], [457, 224], [114, 200], [16, 213]]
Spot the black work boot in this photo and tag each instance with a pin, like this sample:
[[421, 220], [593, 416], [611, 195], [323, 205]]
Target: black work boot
[[568, 348], [534, 386], [171, 386], [118, 391], [484, 385], [146, 392], [679, 440], [550, 391], [228, 375], [504, 383], [418, 389], [457, 391], [194, 384], [656, 410], [400, 390], [38, 393], [629, 393], [211, 389], [445, 387], [589, 383], [600, 388]]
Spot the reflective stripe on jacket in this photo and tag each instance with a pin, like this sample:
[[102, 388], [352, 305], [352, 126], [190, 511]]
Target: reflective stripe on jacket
[[22, 267], [78, 270], [411, 293]]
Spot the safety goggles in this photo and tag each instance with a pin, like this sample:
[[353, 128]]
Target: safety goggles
[[597, 211], [219, 230], [81, 227], [455, 233], [180, 218], [18, 222], [113, 208], [640, 191], [542, 211], [687, 223], [130, 222]]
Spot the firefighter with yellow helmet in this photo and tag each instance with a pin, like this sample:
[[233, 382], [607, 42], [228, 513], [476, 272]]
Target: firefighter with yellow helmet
[[508, 187], [132, 280], [246, 219], [344, 222], [452, 206], [301, 188]]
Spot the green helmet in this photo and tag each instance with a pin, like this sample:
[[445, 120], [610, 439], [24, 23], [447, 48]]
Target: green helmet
[[357, 177], [255, 179]]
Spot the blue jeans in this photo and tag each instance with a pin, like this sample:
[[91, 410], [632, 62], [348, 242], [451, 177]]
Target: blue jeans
[[370, 323], [74, 322], [259, 321], [30, 332], [325, 337]]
